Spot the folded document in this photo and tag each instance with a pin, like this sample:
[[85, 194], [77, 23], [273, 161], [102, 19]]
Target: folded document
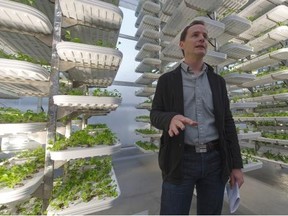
[[233, 196]]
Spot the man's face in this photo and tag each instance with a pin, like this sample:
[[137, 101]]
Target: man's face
[[195, 43]]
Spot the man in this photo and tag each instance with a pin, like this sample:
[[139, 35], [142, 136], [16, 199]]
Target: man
[[199, 146]]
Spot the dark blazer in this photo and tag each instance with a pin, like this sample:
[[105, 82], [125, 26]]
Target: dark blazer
[[168, 102]]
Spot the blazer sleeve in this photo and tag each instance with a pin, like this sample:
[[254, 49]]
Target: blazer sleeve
[[231, 133], [160, 114]]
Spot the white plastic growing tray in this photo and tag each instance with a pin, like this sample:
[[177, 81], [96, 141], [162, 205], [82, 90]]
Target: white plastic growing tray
[[258, 81], [232, 5], [6, 129], [269, 39], [9, 145], [168, 7], [81, 152], [144, 120], [144, 106], [269, 78], [148, 64], [281, 75], [21, 70], [281, 97], [90, 207], [177, 21], [243, 105], [257, 7], [23, 18], [158, 135], [204, 5], [4, 94], [266, 21], [145, 92], [90, 102], [25, 88], [148, 51], [273, 141], [214, 27], [90, 35], [236, 51], [238, 78], [144, 150], [148, 8], [249, 135], [147, 78], [235, 24], [263, 60], [252, 166], [282, 119], [148, 22], [215, 58], [89, 55], [92, 76], [9, 195], [282, 164], [148, 36], [96, 13], [26, 44]]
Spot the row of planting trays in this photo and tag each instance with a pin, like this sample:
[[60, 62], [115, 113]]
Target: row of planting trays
[[22, 174], [89, 186], [33, 79]]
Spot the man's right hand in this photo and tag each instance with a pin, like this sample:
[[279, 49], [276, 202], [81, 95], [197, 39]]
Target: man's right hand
[[179, 122]]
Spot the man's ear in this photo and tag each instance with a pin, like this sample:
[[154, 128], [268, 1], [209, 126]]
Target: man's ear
[[181, 44]]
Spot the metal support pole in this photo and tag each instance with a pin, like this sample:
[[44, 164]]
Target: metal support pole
[[39, 105], [52, 110]]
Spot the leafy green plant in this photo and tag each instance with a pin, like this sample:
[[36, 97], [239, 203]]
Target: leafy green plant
[[27, 2], [85, 180], [105, 93], [147, 145], [144, 117], [83, 138], [11, 115], [96, 126], [68, 37], [12, 175], [147, 131], [22, 57]]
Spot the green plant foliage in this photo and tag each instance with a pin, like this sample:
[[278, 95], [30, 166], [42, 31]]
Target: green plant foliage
[[282, 136], [11, 115], [68, 37], [85, 180], [22, 57], [83, 138], [27, 2], [147, 145], [96, 126], [12, 175], [147, 131], [105, 93], [143, 117]]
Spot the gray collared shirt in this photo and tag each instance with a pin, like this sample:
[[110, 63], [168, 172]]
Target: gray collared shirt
[[198, 106]]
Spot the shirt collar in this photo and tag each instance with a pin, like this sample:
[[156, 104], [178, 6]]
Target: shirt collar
[[187, 69]]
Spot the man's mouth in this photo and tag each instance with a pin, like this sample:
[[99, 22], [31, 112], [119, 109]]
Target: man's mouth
[[200, 46]]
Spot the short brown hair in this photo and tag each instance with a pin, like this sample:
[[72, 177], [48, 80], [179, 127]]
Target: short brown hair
[[185, 30]]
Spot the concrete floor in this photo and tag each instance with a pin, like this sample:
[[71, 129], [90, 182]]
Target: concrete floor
[[140, 184]]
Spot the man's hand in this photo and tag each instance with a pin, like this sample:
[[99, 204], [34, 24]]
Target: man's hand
[[179, 122], [236, 176]]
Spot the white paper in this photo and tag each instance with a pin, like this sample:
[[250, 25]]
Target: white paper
[[233, 196]]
